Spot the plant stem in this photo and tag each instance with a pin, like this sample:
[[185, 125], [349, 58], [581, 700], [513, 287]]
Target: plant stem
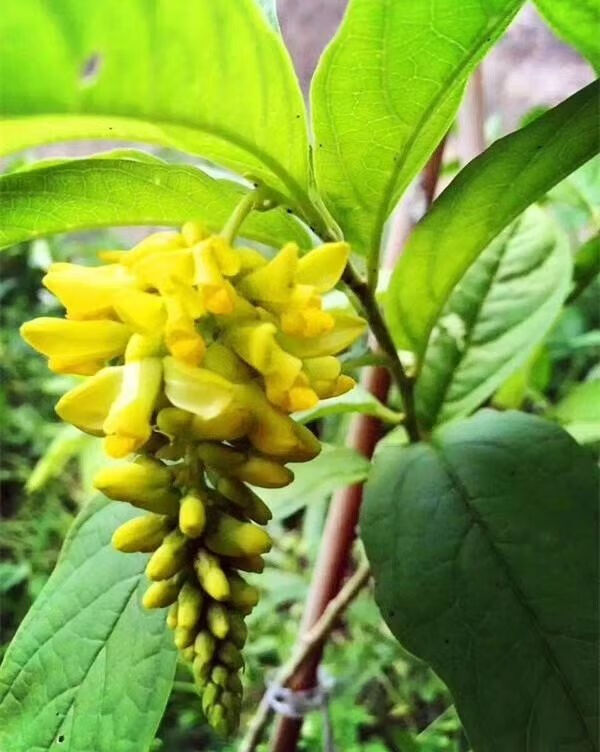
[[247, 203], [337, 539], [309, 642], [382, 334]]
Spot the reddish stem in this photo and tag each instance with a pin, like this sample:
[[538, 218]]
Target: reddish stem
[[338, 536]]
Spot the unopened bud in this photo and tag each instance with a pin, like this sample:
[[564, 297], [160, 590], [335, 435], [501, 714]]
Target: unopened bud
[[211, 576], [162, 594], [192, 516], [218, 620], [142, 534], [189, 606], [230, 537], [168, 558]]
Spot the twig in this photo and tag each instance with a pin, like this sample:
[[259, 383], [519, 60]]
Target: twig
[[382, 334], [306, 645]]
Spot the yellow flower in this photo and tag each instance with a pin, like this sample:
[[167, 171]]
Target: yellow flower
[[89, 292], [197, 390], [196, 354], [78, 347], [273, 282], [127, 425], [346, 330], [87, 405]]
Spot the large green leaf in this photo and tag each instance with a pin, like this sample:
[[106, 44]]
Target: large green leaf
[[495, 316], [89, 669], [83, 193], [480, 202], [483, 545], [384, 94], [210, 78], [578, 23]]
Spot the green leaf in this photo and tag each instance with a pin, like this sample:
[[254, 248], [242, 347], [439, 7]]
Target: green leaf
[[357, 400], [480, 202], [385, 93], [334, 468], [501, 309], [209, 78], [84, 193], [88, 668], [579, 412], [484, 551], [577, 23]]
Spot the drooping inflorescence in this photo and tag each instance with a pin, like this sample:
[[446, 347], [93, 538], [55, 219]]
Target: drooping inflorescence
[[193, 354]]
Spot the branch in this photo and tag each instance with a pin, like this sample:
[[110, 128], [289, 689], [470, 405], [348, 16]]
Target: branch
[[308, 642], [382, 334]]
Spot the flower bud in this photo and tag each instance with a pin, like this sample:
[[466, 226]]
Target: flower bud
[[142, 534], [168, 558], [253, 506], [209, 696], [172, 616], [230, 655], [238, 632], [219, 676], [218, 620], [162, 594], [242, 595], [145, 484], [211, 576], [189, 606], [184, 637], [260, 471], [204, 646], [230, 537], [192, 516]]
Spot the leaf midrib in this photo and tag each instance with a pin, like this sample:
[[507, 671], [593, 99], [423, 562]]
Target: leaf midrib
[[272, 164], [477, 519]]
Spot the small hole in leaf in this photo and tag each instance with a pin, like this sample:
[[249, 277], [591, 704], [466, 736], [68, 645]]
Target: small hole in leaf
[[90, 70], [61, 739]]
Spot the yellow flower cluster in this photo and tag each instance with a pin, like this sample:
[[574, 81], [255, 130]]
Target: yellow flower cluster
[[195, 353]]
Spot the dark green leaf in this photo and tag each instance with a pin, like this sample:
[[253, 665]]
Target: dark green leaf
[[89, 669], [503, 306], [480, 202], [84, 193], [484, 550], [385, 93]]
